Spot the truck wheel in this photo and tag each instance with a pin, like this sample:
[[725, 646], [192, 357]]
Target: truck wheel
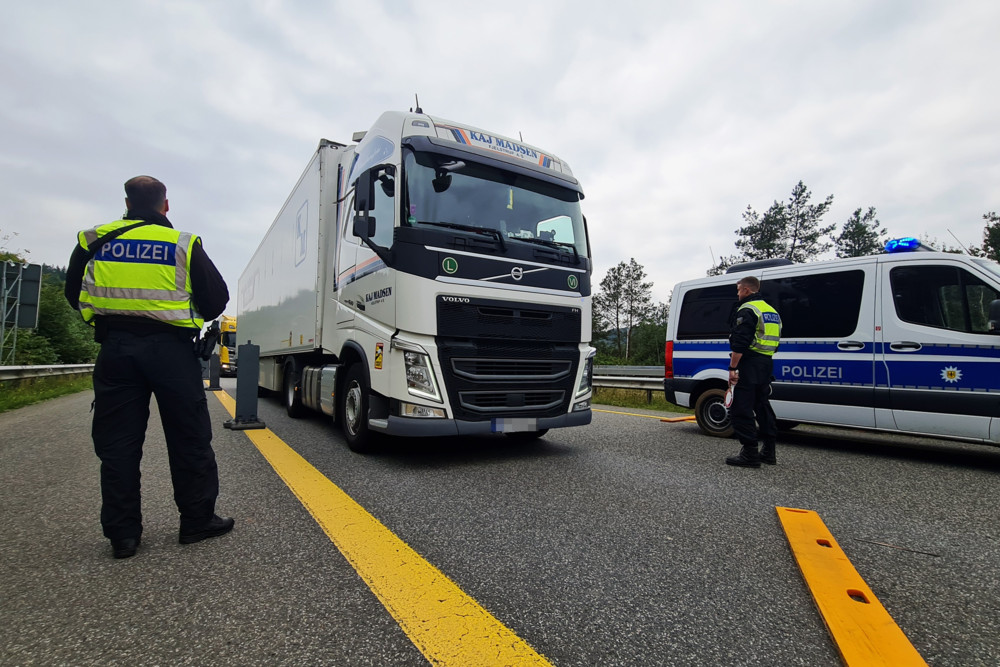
[[354, 410], [712, 415], [292, 395]]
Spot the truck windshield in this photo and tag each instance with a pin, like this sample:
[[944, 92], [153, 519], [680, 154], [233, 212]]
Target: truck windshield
[[462, 194]]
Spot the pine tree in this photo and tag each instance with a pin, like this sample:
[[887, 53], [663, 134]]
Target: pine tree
[[861, 235], [991, 236]]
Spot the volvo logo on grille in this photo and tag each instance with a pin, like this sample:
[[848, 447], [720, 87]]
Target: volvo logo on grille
[[456, 299], [516, 273]]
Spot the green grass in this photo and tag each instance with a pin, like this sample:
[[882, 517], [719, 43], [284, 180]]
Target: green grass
[[15, 394], [635, 398]]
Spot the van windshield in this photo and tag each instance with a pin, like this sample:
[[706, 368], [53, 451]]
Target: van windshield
[[441, 190], [992, 267]]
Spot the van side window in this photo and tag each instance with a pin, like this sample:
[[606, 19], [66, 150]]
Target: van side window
[[819, 305], [943, 297], [705, 312]]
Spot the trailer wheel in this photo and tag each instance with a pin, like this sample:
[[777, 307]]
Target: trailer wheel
[[354, 410], [291, 394], [712, 415]]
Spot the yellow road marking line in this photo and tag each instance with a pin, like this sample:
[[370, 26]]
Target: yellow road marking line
[[448, 626], [685, 418], [862, 629]]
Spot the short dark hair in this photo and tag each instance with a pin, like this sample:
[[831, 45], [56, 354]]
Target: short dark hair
[[751, 282], [145, 193]]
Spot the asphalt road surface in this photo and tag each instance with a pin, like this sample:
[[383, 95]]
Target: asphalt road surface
[[626, 542]]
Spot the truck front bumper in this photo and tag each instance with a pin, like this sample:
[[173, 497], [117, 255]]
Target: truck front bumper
[[423, 428]]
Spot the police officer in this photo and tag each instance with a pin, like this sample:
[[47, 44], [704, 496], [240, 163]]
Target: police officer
[[753, 339], [147, 288]]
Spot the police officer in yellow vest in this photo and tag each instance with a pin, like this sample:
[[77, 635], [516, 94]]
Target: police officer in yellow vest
[[753, 339], [147, 288]]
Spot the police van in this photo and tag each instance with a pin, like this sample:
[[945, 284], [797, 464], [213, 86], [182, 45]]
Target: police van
[[907, 341]]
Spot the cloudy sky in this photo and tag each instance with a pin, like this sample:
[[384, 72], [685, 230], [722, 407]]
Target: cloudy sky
[[675, 116]]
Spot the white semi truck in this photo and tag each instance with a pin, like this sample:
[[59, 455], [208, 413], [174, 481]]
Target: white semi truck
[[430, 279]]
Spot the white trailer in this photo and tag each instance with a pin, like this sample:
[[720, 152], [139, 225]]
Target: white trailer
[[431, 279]]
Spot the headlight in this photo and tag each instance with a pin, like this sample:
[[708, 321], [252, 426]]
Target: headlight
[[420, 379], [586, 380]]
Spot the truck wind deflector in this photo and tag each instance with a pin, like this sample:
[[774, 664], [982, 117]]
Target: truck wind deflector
[[493, 159]]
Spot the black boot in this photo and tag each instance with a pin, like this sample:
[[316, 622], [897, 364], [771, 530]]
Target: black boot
[[747, 458], [767, 454]]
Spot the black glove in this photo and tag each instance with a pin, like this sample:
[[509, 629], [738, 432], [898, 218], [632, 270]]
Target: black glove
[[204, 347]]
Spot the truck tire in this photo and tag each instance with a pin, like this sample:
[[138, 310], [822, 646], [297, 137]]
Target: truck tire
[[712, 415], [291, 395], [354, 410]]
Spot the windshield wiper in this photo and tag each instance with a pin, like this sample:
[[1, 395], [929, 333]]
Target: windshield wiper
[[495, 233], [551, 244]]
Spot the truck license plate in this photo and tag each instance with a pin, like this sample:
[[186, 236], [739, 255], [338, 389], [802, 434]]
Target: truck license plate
[[513, 424]]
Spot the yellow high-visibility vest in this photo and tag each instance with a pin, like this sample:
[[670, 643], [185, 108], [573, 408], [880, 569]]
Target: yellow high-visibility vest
[[145, 272], [768, 332]]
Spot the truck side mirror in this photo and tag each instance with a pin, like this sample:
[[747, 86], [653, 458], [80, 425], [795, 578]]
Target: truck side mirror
[[364, 192], [364, 226], [995, 316]]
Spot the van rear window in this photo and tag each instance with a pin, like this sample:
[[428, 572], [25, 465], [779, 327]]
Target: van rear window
[[705, 312]]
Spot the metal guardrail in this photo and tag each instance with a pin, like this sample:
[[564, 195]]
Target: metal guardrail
[[647, 378], [26, 372]]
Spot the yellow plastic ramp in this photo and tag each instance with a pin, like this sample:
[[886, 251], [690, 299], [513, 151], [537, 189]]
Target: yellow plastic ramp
[[861, 627]]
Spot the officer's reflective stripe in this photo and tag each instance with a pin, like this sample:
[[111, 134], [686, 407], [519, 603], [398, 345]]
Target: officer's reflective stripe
[[170, 316], [137, 293]]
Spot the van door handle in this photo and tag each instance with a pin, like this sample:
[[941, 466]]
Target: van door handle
[[905, 346], [850, 345]]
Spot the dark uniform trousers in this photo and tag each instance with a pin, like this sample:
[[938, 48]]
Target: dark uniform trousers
[[129, 368], [751, 401]]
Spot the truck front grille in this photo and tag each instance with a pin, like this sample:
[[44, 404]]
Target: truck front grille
[[499, 401], [511, 369]]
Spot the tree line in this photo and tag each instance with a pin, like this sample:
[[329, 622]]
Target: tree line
[[793, 230], [630, 329]]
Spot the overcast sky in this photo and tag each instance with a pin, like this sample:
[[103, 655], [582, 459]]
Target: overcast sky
[[675, 116]]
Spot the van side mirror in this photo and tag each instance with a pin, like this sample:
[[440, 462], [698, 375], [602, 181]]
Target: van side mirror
[[995, 316]]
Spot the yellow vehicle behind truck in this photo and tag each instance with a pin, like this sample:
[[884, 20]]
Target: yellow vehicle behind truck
[[227, 346]]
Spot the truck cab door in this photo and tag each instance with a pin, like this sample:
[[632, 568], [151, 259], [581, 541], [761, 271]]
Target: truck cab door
[[938, 359], [367, 286], [347, 256]]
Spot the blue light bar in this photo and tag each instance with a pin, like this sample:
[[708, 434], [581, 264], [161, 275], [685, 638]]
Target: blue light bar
[[905, 244]]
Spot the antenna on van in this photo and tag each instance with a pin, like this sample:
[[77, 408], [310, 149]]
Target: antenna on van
[[712, 253], [418, 109], [960, 243], [520, 136]]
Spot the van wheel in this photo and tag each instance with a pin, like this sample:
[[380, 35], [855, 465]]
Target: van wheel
[[292, 394], [354, 410], [712, 415]]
